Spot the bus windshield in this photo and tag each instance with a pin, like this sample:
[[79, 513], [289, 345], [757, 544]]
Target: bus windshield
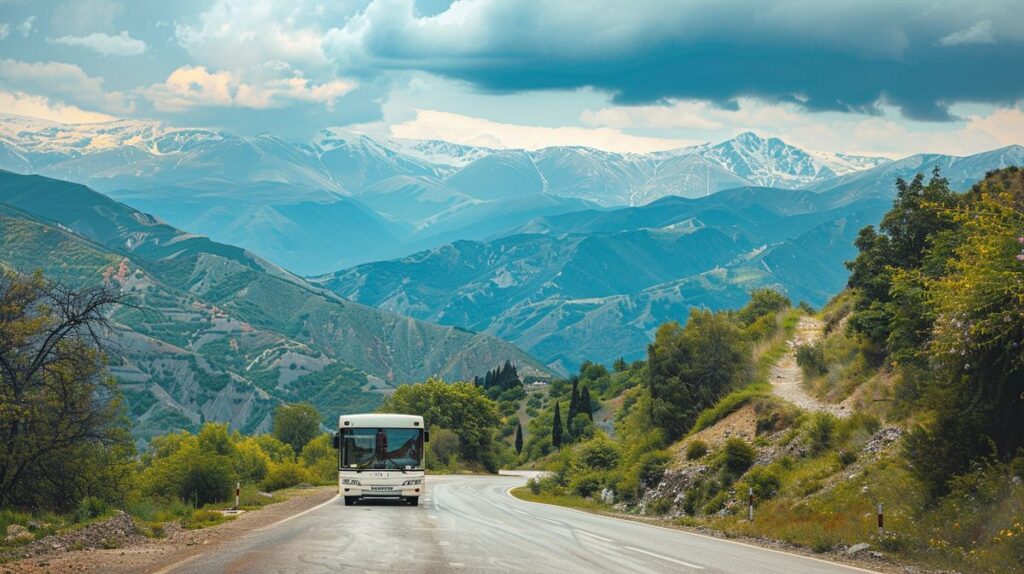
[[382, 448]]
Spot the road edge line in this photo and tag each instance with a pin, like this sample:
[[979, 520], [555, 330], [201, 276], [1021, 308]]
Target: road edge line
[[508, 493], [184, 561]]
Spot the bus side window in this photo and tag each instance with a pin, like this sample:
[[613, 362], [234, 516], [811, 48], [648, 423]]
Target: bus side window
[[337, 440]]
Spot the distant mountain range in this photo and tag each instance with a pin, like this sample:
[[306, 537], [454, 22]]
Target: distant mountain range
[[345, 198], [595, 284], [568, 252], [217, 333]]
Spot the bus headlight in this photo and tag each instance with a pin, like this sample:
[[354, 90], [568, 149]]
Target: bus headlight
[[413, 482], [350, 481]]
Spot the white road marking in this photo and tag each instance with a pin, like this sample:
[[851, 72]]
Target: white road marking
[[508, 493], [307, 511], [592, 535], [680, 562], [548, 520]]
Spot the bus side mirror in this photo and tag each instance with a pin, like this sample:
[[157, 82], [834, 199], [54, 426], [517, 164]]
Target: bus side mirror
[[426, 436], [336, 440]]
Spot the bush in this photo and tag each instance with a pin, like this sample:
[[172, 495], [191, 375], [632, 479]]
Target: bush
[[764, 481], [89, 508], [696, 449], [207, 478], [652, 467], [599, 454], [286, 474], [811, 359], [587, 484], [737, 457], [821, 431], [534, 485], [251, 463]]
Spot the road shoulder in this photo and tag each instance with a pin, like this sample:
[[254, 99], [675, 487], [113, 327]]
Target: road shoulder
[[153, 555], [868, 564]]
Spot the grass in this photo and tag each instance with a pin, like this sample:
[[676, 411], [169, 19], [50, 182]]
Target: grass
[[569, 501], [205, 518]]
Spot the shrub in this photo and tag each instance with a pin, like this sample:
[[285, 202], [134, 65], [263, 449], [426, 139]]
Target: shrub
[[737, 456], [599, 453], [90, 507], [696, 449], [286, 474], [660, 505], [764, 481], [811, 359], [819, 435], [207, 478], [716, 503], [251, 463], [587, 484], [534, 485], [651, 467]]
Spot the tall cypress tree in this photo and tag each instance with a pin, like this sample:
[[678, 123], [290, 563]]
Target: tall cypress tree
[[519, 438], [585, 405], [574, 400], [556, 428]]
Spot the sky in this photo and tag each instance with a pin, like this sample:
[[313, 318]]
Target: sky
[[888, 78]]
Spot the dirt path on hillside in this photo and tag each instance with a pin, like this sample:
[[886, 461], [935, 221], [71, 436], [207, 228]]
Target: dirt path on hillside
[[787, 378]]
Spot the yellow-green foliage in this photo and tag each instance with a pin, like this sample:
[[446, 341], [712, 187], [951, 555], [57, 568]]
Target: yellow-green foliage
[[287, 474]]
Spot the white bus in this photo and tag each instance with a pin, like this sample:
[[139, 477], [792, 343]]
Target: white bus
[[380, 456]]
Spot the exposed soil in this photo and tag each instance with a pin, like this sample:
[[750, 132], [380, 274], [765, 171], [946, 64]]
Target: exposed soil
[[787, 377], [139, 554]]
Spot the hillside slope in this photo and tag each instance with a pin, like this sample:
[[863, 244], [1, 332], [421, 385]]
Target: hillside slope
[[217, 332]]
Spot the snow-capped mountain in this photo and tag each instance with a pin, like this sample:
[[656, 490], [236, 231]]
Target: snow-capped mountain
[[345, 198]]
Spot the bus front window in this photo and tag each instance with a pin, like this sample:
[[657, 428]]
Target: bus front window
[[376, 448]]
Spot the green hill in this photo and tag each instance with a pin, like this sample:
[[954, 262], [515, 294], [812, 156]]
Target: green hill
[[216, 333]]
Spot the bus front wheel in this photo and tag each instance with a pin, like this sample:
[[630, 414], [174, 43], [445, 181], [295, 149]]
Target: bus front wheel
[[350, 500], [413, 500]]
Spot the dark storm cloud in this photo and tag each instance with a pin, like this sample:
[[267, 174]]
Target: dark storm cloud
[[841, 55]]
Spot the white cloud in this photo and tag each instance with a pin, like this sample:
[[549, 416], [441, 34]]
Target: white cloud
[[433, 124], [191, 86], [120, 45], [886, 134], [26, 27], [977, 33], [23, 104], [235, 34], [5, 31], [67, 81], [82, 17]]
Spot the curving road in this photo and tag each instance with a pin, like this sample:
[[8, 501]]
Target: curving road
[[470, 523]]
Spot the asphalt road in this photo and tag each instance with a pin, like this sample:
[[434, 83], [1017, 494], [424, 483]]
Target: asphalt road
[[469, 523]]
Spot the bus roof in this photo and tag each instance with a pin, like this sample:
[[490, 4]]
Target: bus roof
[[380, 420]]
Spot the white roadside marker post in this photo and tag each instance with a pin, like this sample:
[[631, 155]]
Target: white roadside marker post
[[750, 504], [238, 490]]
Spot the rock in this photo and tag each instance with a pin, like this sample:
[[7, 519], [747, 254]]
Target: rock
[[607, 496], [1017, 481], [857, 548], [17, 534]]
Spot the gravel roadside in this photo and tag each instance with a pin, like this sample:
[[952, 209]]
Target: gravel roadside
[[145, 555]]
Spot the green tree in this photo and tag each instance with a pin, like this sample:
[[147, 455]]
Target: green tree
[[296, 425], [63, 432], [556, 427], [920, 213], [460, 407], [585, 405], [620, 365], [762, 302], [689, 369], [519, 439]]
